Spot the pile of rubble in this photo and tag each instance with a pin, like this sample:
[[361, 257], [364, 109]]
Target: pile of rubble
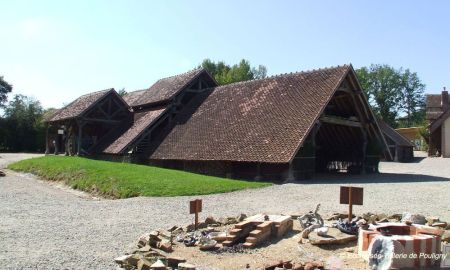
[[287, 265], [238, 234], [154, 248], [341, 230]]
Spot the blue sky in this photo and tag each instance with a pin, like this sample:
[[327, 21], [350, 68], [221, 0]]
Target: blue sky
[[58, 50]]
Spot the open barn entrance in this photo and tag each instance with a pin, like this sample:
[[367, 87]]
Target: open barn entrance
[[344, 139], [339, 149]]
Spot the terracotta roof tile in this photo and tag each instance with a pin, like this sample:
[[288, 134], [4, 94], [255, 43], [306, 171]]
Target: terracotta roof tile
[[132, 97], [78, 106], [433, 106], [257, 121], [433, 100], [141, 122], [163, 89]]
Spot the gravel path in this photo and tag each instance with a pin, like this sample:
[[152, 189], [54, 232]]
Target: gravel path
[[46, 226]]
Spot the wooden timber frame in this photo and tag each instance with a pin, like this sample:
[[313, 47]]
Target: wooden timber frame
[[152, 136], [81, 133], [346, 121]]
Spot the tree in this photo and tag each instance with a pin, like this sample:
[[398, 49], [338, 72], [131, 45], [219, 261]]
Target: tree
[[393, 93], [226, 74], [382, 85], [122, 92], [5, 88], [24, 129], [412, 98]]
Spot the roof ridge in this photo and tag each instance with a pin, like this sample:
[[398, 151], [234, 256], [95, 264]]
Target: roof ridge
[[96, 92], [287, 74], [180, 74]]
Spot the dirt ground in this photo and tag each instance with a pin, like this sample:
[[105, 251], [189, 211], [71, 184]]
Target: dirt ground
[[287, 248], [49, 226]]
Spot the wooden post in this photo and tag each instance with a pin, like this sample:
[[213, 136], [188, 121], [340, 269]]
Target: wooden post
[[195, 207], [290, 176], [258, 176], [364, 150], [80, 134], [350, 205], [351, 196], [47, 147]]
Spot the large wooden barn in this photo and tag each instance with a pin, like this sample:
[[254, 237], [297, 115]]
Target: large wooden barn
[[288, 126]]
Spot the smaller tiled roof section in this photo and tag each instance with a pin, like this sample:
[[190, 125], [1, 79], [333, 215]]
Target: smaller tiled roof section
[[433, 106], [78, 106], [399, 139], [254, 121], [132, 97], [163, 89], [142, 121]]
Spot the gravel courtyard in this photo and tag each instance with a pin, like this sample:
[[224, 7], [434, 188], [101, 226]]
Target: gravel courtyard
[[48, 226]]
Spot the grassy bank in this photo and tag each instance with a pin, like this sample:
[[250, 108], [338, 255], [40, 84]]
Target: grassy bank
[[123, 180]]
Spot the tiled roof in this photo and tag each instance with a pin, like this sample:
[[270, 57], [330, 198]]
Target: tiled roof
[[78, 106], [257, 121], [433, 106], [439, 120], [132, 97], [141, 122], [163, 89], [393, 134], [433, 100]]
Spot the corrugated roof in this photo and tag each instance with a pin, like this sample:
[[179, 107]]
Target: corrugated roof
[[393, 134], [163, 89], [78, 106], [257, 121], [142, 121]]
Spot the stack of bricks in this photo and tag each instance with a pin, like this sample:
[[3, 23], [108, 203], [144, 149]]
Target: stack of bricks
[[255, 230], [415, 246]]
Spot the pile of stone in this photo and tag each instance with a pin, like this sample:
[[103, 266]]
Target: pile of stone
[[154, 248], [286, 265], [317, 232]]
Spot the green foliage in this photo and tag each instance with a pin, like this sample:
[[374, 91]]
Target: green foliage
[[22, 126], [394, 93], [226, 74], [5, 88], [425, 133], [122, 92], [123, 180]]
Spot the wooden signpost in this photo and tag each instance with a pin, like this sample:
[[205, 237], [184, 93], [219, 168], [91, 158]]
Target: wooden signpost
[[195, 207], [351, 196]]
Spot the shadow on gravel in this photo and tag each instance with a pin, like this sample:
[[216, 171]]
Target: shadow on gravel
[[372, 178]]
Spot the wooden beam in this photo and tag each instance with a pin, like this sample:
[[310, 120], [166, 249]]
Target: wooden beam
[[346, 90], [47, 147], [101, 120], [80, 135], [339, 121]]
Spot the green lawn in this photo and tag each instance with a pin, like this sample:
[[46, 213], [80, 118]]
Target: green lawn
[[123, 180]]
